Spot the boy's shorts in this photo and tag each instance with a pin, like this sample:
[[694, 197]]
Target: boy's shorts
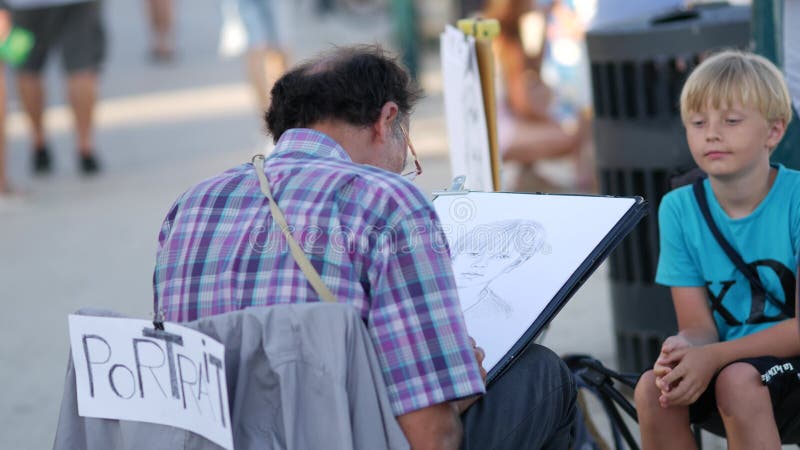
[[75, 27], [784, 390]]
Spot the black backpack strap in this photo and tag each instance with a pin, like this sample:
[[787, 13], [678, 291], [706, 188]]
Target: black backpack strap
[[750, 273]]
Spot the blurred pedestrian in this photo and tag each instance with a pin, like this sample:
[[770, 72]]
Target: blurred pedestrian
[[538, 120], [266, 50], [76, 27], [162, 39], [5, 28]]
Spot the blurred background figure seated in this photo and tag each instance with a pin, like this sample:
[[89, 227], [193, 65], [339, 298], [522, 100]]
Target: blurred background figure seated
[[544, 113]]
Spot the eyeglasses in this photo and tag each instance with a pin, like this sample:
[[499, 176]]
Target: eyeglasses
[[413, 167]]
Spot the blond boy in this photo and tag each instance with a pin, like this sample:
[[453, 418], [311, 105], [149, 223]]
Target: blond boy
[[735, 107]]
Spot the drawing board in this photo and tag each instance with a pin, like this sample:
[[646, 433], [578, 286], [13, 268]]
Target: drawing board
[[517, 258]]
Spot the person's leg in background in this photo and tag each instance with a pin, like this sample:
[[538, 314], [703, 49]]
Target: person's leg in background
[[266, 57], [530, 406], [84, 50], [5, 185], [45, 25], [162, 46], [42, 22], [82, 88], [31, 94], [264, 66], [5, 28]]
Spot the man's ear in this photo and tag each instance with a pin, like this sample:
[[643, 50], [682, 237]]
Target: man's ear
[[777, 128], [384, 127]]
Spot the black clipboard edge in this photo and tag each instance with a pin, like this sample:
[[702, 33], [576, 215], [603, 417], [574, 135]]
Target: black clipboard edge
[[610, 242]]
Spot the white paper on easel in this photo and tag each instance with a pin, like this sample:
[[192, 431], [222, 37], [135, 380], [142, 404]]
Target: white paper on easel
[[512, 253], [467, 135]]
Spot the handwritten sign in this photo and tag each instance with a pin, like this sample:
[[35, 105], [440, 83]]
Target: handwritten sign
[[126, 369]]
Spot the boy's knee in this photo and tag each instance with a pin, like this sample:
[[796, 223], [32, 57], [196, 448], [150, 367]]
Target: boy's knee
[[646, 393], [736, 388]]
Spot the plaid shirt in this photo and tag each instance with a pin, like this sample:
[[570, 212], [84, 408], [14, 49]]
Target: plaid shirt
[[373, 237]]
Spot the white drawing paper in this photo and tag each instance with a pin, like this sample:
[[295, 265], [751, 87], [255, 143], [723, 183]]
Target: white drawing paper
[[467, 135], [512, 253]]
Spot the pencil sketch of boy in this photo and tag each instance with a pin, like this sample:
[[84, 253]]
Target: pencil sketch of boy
[[485, 253]]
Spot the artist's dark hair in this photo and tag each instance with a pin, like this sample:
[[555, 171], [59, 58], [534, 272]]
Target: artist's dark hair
[[350, 84]]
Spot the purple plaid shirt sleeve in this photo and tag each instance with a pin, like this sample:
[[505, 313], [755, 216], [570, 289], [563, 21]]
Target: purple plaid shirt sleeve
[[415, 318], [373, 237]]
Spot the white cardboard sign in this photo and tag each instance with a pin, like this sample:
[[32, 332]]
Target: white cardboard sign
[[126, 369]]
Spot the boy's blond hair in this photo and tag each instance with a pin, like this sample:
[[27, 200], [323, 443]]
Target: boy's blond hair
[[732, 77]]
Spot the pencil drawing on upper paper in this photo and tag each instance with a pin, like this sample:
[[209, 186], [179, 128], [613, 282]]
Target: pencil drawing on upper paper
[[486, 253]]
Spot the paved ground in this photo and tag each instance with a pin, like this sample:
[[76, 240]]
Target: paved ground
[[73, 242]]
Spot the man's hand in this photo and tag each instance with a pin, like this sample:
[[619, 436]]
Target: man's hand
[[684, 383], [479, 355], [439, 426], [436, 427]]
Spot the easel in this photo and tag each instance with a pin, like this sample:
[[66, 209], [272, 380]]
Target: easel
[[484, 30]]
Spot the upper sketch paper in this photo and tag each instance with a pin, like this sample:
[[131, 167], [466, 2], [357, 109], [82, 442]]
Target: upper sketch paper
[[467, 135], [512, 253]]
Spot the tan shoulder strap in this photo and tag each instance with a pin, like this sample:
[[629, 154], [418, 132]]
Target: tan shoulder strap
[[299, 256]]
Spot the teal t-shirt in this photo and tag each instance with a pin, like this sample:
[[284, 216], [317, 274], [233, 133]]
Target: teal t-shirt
[[767, 239]]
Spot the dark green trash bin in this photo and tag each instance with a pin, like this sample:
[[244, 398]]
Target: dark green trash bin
[[638, 69]]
